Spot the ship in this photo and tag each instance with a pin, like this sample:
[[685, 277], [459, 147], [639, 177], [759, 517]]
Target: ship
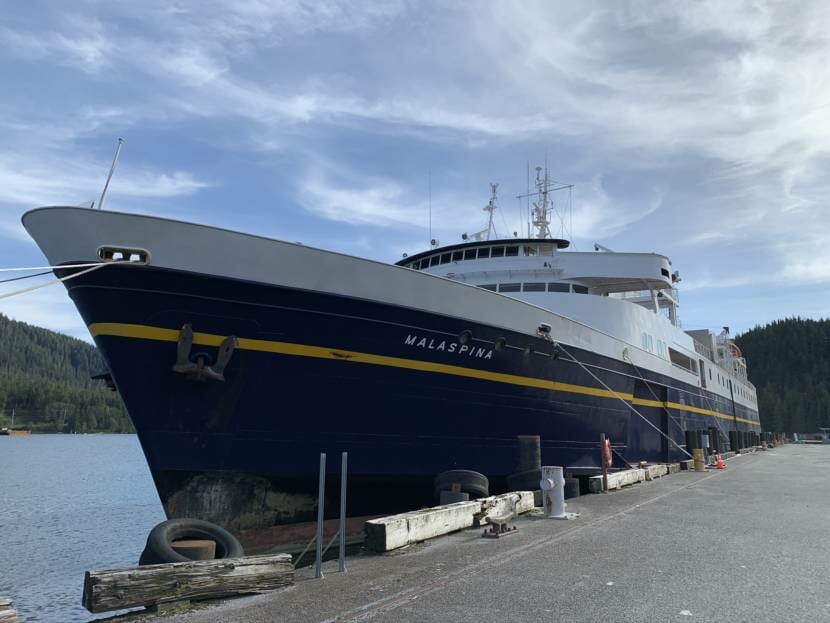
[[241, 358]]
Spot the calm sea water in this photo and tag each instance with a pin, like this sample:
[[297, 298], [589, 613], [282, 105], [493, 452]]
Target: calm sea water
[[69, 503]]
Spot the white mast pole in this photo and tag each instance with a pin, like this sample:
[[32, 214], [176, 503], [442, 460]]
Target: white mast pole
[[112, 170]]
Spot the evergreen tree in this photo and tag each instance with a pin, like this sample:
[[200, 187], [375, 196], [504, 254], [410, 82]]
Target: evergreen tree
[[789, 363], [45, 379]]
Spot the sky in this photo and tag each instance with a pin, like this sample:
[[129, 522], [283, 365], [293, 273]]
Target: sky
[[698, 130]]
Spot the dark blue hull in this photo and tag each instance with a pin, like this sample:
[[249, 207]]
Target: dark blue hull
[[394, 387]]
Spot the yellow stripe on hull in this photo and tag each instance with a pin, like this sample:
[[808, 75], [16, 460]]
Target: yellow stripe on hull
[[136, 331]]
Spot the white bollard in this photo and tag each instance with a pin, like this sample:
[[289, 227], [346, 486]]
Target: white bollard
[[553, 492]]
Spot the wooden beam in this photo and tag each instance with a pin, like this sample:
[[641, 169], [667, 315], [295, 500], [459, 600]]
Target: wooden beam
[[387, 533], [617, 480], [7, 612], [131, 587]]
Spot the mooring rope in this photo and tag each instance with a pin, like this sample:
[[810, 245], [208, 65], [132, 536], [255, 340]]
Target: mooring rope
[[24, 269], [54, 281], [651, 391], [45, 272], [625, 402]]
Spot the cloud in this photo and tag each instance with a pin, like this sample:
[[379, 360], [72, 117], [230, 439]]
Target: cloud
[[53, 181], [82, 45], [694, 129]]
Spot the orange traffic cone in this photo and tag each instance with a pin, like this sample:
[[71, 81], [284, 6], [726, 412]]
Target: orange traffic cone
[[719, 463]]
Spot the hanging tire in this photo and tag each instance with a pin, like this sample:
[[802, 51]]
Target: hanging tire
[[527, 480], [471, 482], [159, 548]]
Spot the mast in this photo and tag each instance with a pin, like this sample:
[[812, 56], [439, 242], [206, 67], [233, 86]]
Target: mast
[[540, 206], [543, 206], [491, 206]]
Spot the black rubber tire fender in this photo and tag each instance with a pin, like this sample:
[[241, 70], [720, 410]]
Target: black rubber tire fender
[[159, 547], [527, 480], [474, 483]]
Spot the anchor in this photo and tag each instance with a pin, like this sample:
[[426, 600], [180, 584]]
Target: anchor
[[198, 370]]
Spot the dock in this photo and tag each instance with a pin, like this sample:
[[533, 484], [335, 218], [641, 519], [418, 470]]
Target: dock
[[746, 544]]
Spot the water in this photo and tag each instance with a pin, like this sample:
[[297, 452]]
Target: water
[[69, 503]]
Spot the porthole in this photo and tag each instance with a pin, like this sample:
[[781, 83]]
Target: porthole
[[465, 336], [528, 350], [500, 344]]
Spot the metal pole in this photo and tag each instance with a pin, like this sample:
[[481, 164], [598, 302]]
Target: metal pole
[[112, 170], [602, 462], [321, 497], [344, 459]]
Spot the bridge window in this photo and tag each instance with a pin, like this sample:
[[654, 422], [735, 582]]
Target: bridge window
[[580, 289], [470, 254], [510, 287], [559, 287], [511, 251], [489, 286], [497, 252], [533, 287], [433, 261], [457, 256], [445, 258], [531, 250], [484, 253]]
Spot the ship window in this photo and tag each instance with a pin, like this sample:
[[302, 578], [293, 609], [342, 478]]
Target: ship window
[[485, 252], [415, 265], [558, 287], [531, 249], [533, 287], [457, 256], [580, 289], [497, 252], [445, 258], [710, 374], [682, 361], [489, 286], [470, 254], [511, 251], [510, 287], [665, 272], [546, 249], [433, 261]]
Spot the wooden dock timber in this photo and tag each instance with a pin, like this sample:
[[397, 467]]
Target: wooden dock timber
[[154, 585], [7, 611], [387, 533], [620, 479]]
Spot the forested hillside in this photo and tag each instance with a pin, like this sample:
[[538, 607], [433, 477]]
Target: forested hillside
[[45, 378], [789, 363]]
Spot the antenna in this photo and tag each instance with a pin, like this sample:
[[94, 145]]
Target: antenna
[[112, 170], [491, 206], [543, 206], [429, 202]]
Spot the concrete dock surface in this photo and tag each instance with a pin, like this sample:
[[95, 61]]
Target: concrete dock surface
[[750, 543]]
